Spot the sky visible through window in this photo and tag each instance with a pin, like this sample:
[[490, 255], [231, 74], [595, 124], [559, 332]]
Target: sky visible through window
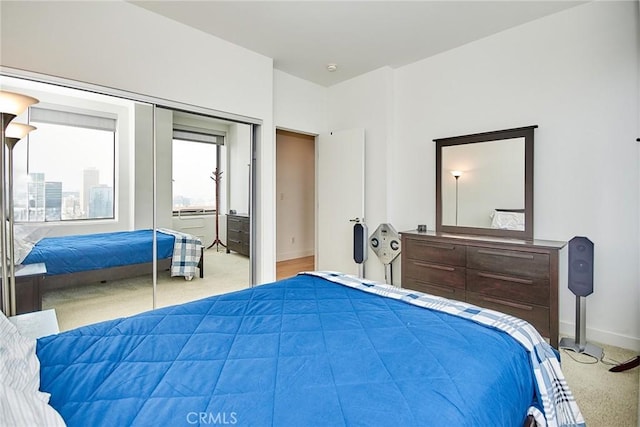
[[193, 166], [62, 169], [63, 152]]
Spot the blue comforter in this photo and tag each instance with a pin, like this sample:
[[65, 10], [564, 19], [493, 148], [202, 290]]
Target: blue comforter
[[71, 254], [300, 352]]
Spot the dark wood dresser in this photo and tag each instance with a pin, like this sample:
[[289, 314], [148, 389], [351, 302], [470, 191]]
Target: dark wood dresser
[[517, 277], [238, 233]]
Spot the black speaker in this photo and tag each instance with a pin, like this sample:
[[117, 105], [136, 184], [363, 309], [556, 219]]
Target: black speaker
[[359, 243], [581, 266]]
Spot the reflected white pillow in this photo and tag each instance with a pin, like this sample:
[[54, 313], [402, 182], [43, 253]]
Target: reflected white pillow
[[508, 220], [21, 249], [25, 237], [21, 408]]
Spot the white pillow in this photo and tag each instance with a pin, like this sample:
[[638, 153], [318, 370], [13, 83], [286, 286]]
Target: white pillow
[[21, 408], [19, 365], [25, 237]]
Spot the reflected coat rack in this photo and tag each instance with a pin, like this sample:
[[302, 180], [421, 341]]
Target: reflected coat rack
[[216, 176]]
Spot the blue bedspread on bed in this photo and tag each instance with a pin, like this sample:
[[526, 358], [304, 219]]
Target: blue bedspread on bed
[[300, 352], [70, 254]]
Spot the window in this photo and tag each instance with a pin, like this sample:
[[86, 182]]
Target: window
[[196, 157], [66, 169]]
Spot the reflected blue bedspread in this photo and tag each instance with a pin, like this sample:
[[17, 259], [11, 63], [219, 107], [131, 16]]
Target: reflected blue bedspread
[[71, 254], [299, 352]]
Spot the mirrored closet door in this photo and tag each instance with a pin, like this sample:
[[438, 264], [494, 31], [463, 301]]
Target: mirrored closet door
[[203, 175], [116, 185]]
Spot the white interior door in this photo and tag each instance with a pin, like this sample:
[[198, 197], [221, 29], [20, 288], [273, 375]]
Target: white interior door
[[340, 197]]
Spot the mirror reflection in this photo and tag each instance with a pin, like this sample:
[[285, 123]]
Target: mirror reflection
[[483, 184], [85, 179]]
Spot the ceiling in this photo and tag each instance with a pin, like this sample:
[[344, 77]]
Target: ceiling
[[303, 37]]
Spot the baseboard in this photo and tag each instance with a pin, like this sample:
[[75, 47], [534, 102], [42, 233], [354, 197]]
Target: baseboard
[[602, 337]]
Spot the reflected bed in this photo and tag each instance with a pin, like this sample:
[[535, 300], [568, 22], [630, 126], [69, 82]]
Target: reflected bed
[[89, 258]]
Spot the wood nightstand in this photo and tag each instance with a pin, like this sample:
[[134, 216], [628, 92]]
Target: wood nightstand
[[29, 287]]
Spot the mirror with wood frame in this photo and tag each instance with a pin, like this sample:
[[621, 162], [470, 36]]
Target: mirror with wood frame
[[484, 183]]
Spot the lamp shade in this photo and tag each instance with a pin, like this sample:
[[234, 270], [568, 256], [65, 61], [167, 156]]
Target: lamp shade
[[15, 103], [18, 130], [457, 174]]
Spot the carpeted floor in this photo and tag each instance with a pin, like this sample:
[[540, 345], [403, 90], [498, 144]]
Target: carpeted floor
[[96, 302], [606, 399]]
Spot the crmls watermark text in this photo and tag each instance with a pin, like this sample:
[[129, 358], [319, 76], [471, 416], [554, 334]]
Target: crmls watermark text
[[214, 418]]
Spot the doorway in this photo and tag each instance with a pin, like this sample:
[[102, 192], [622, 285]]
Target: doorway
[[295, 203]]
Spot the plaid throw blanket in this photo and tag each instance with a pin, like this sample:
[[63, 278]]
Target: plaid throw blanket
[[560, 407], [186, 253]]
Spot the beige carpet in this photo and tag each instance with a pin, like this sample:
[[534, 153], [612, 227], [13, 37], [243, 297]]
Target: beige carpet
[[91, 303], [606, 399]]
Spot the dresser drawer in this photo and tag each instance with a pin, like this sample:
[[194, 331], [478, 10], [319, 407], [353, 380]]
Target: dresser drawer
[[517, 263], [536, 315], [526, 289], [238, 223], [429, 272], [436, 252], [513, 276], [237, 235], [234, 245], [434, 289]]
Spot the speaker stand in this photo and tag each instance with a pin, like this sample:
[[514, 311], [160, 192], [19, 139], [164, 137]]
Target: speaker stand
[[580, 344]]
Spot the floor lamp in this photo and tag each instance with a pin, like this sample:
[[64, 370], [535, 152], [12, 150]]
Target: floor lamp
[[11, 105], [456, 175]]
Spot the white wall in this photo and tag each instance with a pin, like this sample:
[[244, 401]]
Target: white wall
[[299, 105], [142, 167], [119, 45], [575, 75]]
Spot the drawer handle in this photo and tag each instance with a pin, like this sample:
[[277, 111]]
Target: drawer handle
[[507, 303], [435, 245], [433, 285], [505, 254], [434, 266], [506, 278]]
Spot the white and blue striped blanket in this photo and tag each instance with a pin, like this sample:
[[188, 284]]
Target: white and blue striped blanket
[[559, 405], [186, 253]]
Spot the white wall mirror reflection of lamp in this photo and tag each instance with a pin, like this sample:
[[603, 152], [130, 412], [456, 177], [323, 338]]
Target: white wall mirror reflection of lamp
[[11, 105], [457, 175]]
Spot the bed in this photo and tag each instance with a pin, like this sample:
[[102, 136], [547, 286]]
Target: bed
[[89, 258], [316, 349]]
